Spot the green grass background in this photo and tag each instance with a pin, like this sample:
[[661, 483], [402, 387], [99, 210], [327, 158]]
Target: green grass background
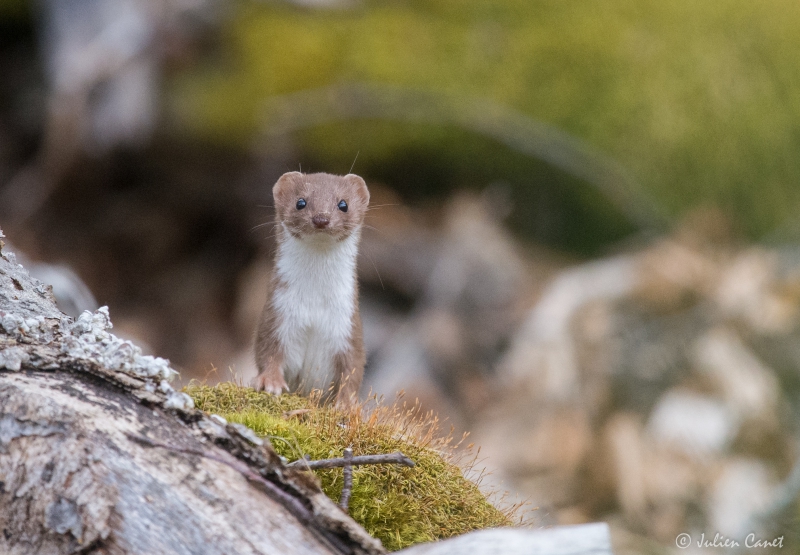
[[700, 101]]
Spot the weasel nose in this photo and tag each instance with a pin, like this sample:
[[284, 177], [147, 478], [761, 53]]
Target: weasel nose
[[320, 221]]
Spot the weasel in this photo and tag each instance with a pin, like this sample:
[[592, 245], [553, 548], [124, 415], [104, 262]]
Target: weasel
[[309, 336]]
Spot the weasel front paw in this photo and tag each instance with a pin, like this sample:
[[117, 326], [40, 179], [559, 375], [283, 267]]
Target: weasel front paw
[[274, 385]]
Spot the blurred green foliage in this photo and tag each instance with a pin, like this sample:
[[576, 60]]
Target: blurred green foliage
[[698, 100]]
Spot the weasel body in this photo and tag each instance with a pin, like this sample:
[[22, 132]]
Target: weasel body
[[309, 336]]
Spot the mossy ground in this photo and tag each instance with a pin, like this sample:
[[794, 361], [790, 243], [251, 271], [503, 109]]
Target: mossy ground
[[400, 506]]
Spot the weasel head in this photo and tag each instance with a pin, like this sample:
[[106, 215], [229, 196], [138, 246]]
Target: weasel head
[[320, 206]]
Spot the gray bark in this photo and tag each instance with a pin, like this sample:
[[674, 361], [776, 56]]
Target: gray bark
[[98, 454]]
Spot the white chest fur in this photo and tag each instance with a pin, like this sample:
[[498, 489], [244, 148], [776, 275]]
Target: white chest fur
[[315, 305]]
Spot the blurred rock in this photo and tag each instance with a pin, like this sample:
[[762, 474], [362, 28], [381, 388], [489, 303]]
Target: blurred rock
[[72, 295], [672, 272], [468, 278], [667, 357], [695, 424], [567, 540], [747, 291], [623, 434], [742, 489], [542, 354], [749, 388]]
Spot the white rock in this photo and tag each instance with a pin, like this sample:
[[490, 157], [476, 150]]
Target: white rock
[[698, 425], [585, 539], [543, 351], [743, 488]]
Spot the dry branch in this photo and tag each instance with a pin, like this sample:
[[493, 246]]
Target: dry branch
[[348, 461], [391, 458], [347, 488]]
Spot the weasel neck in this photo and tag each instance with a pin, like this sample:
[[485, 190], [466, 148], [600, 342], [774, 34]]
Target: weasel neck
[[317, 257]]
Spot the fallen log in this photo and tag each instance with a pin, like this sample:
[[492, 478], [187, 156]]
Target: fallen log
[[100, 455]]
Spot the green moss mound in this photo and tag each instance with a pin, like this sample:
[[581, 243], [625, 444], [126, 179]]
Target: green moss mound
[[400, 506]]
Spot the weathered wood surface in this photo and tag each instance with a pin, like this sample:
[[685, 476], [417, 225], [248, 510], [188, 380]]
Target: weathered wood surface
[[585, 539], [99, 455]]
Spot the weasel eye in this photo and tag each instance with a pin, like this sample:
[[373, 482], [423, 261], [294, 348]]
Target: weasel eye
[[301, 204], [342, 206]]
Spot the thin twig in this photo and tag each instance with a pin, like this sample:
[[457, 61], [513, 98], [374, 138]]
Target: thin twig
[[344, 500], [392, 458]]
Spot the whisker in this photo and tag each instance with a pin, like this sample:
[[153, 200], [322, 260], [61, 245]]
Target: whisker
[[354, 162], [371, 208], [275, 230], [380, 280], [260, 226], [268, 237]]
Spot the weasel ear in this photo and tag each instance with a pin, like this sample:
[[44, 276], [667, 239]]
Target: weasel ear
[[360, 185], [285, 184]]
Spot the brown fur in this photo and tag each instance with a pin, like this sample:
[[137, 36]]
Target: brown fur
[[350, 365], [322, 193], [269, 355]]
